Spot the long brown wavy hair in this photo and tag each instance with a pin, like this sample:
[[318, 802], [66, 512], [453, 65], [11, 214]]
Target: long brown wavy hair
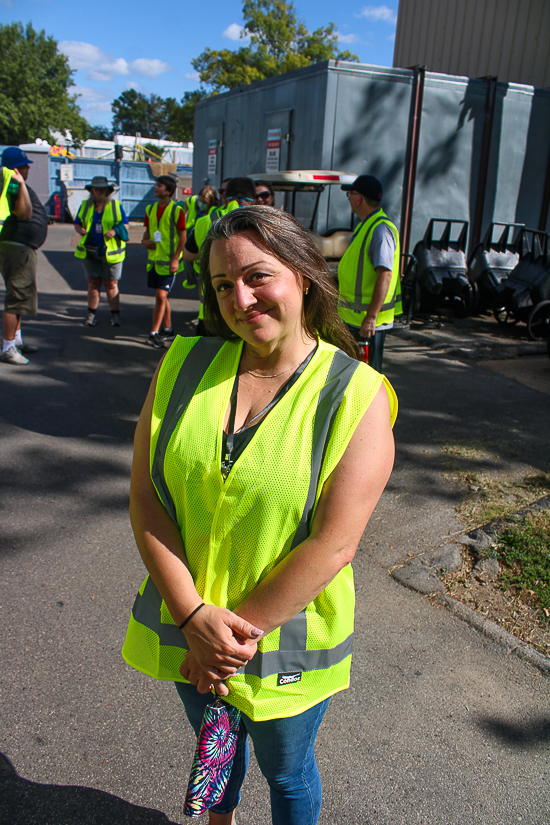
[[283, 237]]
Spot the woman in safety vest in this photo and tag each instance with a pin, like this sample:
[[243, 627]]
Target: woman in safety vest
[[101, 223], [259, 457]]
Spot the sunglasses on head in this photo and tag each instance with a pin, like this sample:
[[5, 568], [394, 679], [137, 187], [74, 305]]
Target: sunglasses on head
[[263, 195]]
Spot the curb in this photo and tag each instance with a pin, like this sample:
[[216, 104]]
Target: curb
[[423, 578], [495, 633]]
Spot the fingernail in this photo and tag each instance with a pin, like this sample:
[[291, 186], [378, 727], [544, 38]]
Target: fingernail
[[256, 632]]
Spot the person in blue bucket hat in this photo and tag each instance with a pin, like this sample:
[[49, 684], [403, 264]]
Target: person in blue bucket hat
[[24, 226]]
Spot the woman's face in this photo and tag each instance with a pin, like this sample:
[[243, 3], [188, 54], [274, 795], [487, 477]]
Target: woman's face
[[99, 194], [264, 196], [260, 298]]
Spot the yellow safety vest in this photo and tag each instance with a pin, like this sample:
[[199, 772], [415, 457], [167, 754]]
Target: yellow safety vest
[[115, 248], [236, 531], [159, 258], [357, 276], [7, 175], [193, 213], [202, 228]]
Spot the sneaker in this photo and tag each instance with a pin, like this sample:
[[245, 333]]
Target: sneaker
[[13, 356], [167, 334], [27, 349], [155, 340], [115, 319], [91, 320]]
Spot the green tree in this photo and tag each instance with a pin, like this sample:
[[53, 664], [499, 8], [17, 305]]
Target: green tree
[[155, 117], [181, 116], [35, 79], [279, 43], [99, 133], [135, 112]]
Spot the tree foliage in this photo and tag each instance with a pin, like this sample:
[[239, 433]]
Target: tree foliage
[[99, 133], [34, 88], [279, 43], [154, 116]]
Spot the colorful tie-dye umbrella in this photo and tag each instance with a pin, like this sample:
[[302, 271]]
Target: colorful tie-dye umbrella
[[216, 746]]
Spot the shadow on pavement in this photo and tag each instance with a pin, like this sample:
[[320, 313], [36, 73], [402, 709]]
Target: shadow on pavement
[[29, 803], [134, 273], [523, 736]]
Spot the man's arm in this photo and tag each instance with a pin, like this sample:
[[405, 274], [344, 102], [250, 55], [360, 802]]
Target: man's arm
[[23, 206], [381, 254], [146, 240], [383, 280], [175, 260]]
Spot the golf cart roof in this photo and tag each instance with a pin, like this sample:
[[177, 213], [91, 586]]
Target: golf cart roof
[[311, 180]]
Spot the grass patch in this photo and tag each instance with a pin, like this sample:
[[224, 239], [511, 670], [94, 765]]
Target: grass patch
[[524, 549]]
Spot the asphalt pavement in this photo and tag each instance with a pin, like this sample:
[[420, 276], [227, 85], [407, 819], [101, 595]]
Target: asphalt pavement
[[440, 726]]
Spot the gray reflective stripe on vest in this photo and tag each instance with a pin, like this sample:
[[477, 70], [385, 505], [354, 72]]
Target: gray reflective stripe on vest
[[185, 386], [146, 611], [294, 632], [359, 307]]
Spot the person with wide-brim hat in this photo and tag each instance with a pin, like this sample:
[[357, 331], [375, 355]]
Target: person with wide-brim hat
[[102, 222]]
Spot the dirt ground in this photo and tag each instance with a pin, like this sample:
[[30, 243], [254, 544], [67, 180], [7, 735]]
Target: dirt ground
[[514, 611]]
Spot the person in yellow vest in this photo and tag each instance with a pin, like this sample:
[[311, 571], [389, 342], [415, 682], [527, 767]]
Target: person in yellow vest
[[164, 237], [237, 192], [260, 455], [196, 207], [199, 205], [18, 243], [368, 273], [101, 222]]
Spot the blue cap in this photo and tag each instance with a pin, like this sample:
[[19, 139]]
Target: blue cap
[[13, 156]]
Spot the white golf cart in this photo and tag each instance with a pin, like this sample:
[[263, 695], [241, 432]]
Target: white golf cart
[[301, 191]]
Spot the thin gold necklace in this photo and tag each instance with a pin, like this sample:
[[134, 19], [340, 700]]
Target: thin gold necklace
[[277, 374]]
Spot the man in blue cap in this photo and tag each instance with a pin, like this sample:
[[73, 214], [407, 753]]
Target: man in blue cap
[[24, 229], [368, 274]]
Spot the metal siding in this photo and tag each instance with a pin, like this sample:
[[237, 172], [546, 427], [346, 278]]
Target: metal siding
[[507, 38], [453, 114], [370, 133]]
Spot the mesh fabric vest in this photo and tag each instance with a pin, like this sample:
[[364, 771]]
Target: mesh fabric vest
[[115, 247], [357, 276], [235, 532], [7, 175], [159, 258]]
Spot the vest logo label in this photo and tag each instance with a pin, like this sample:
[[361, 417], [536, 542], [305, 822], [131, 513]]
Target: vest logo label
[[289, 678]]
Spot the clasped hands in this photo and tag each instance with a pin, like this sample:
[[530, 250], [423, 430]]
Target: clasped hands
[[220, 642]]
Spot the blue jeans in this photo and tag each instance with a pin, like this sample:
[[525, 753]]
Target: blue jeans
[[284, 749]]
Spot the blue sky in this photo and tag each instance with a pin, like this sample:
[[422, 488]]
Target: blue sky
[[149, 45]]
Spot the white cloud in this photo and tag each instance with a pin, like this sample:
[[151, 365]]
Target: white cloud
[[391, 37], [102, 67], [146, 67], [132, 84], [91, 100], [236, 32], [379, 13], [97, 64], [347, 38], [193, 76]]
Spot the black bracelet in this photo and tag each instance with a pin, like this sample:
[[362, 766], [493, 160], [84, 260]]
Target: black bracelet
[[196, 610]]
